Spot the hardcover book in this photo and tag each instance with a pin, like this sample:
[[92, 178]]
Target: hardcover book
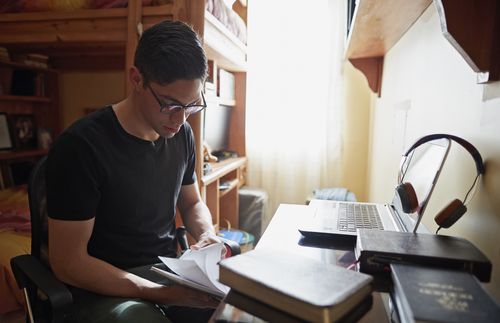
[[377, 249], [427, 294], [271, 314], [302, 287]]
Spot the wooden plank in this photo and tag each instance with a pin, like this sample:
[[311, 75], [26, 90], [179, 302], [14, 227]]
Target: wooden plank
[[20, 98], [237, 124], [477, 40], [90, 30], [229, 205], [64, 15], [212, 201], [222, 168], [194, 16], [134, 27], [378, 25], [222, 46]]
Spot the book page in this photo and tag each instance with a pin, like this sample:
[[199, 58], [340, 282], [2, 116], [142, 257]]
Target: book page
[[200, 266]]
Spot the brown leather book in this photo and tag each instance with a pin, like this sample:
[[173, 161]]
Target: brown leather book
[[303, 287]]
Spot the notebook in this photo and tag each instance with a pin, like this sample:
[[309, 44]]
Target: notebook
[[336, 219]]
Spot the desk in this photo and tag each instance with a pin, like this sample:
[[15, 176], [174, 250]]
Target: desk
[[282, 234]]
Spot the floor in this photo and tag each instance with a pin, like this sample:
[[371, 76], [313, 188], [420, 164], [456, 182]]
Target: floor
[[13, 317]]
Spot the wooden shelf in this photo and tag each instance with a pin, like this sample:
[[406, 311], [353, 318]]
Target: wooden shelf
[[8, 155], [34, 99], [233, 185], [471, 26], [221, 168], [17, 65], [375, 28], [227, 102]]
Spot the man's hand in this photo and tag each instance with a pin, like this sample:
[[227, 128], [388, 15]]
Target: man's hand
[[206, 238]]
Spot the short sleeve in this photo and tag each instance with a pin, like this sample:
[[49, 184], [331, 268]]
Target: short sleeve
[[73, 179], [190, 174]]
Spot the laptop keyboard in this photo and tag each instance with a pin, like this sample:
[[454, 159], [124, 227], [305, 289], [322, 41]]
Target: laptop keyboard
[[353, 216]]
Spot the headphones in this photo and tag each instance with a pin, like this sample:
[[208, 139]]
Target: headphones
[[456, 208]]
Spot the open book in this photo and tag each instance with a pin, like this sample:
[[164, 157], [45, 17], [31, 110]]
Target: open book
[[197, 269]]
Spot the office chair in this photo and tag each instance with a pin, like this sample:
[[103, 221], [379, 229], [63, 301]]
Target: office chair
[[47, 298]]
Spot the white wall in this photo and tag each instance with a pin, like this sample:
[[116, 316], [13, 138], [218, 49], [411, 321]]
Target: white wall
[[423, 72], [355, 130]]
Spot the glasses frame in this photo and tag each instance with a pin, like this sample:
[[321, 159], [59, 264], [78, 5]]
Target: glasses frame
[[168, 109]]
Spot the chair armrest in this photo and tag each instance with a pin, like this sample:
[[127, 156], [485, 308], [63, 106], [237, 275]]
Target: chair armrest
[[29, 271]]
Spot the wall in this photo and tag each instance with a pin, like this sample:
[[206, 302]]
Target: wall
[[428, 88], [355, 130], [81, 90]]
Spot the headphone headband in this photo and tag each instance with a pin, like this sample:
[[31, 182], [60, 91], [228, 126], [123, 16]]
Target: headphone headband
[[464, 143]]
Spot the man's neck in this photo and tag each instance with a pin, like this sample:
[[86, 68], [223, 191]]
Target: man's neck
[[132, 121]]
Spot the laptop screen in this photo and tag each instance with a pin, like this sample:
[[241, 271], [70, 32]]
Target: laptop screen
[[422, 168]]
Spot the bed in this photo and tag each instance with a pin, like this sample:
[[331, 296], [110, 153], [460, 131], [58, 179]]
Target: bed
[[14, 240], [109, 29]]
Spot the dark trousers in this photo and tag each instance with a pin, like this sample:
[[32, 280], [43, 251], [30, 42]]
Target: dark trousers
[[90, 307]]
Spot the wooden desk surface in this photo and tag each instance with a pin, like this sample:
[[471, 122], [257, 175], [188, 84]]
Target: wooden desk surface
[[282, 234]]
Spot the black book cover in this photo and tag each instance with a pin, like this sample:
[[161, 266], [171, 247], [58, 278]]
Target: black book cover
[[428, 294], [377, 249]]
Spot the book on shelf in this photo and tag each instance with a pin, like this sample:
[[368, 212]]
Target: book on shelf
[[429, 294], [301, 287], [197, 269], [377, 249], [33, 59]]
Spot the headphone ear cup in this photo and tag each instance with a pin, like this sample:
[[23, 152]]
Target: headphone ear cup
[[450, 214], [408, 197]]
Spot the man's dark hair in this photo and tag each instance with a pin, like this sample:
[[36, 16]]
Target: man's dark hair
[[170, 51]]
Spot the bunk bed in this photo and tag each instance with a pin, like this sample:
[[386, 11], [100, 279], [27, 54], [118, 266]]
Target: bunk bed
[[106, 38], [64, 35]]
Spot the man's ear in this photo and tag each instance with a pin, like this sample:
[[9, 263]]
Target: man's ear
[[135, 77]]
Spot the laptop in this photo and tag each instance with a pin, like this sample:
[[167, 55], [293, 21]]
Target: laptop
[[340, 220]]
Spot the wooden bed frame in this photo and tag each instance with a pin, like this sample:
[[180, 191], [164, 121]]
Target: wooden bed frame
[[104, 39]]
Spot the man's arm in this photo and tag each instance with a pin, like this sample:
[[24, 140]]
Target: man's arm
[[73, 265], [196, 216]]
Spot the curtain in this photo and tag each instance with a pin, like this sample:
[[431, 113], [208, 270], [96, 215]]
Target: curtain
[[295, 99]]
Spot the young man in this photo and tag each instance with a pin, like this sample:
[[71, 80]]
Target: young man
[[114, 179]]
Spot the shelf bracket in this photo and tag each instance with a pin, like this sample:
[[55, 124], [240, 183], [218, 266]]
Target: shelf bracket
[[371, 67]]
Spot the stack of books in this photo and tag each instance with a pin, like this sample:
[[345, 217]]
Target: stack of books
[[278, 285], [33, 59]]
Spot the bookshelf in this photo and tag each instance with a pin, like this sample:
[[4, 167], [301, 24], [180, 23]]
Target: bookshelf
[[29, 110], [105, 39]]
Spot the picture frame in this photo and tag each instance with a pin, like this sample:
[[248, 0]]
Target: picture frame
[[5, 138], [23, 131]]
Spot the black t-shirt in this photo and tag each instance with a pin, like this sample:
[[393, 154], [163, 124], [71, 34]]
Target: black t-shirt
[[129, 185]]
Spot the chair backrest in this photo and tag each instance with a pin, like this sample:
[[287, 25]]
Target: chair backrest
[[37, 197]]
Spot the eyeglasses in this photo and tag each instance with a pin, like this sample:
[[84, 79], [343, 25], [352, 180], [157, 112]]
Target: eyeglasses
[[171, 108]]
